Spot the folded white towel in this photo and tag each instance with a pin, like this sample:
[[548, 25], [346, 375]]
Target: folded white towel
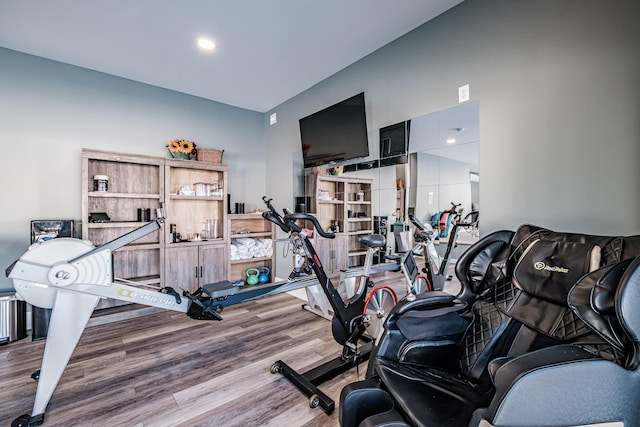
[[245, 247]]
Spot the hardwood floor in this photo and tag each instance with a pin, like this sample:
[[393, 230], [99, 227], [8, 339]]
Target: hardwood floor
[[166, 369]]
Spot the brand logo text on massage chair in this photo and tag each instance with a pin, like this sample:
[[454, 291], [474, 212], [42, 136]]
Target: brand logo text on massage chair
[[542, 266]]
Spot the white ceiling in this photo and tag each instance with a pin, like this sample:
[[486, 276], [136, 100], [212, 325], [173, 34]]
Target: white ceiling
[[268, 51]]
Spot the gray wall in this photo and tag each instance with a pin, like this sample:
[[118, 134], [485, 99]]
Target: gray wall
[[556, 81], [49, 111]]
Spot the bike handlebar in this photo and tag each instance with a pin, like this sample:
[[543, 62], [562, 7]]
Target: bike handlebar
[[292, 217], [275, 218], [288, 222], [416, 222]]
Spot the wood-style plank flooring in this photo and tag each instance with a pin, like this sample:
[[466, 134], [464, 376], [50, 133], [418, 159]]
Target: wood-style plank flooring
[[166, 369]]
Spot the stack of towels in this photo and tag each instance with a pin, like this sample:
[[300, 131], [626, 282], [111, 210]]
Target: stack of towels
[[245, 248]]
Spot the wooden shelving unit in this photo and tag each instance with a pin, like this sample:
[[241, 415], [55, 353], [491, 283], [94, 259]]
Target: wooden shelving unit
[[343, 205], [198, 258], [137, 181], [252, 226], [134, 182]]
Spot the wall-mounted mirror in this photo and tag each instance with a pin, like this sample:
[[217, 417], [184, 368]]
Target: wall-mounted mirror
[[443, 163], [440, 168], [442, 173]]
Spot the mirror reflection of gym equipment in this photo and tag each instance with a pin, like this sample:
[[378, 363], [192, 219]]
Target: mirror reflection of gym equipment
[[443, 172], [440, 168]]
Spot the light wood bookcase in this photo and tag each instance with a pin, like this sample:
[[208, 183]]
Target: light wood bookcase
[[256, 227], [191, 262], [341, 204], [137, 181]]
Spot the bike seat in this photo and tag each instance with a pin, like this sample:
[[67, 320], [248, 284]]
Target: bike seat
[[422, 236], [373, 240]]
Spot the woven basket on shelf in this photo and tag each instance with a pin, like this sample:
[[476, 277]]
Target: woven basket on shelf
[[210, 155]]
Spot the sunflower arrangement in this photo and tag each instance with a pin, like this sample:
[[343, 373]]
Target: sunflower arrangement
[[337, 170], [182, 149]]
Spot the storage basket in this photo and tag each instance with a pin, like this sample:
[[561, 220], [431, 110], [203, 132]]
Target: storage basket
[[211, 155]]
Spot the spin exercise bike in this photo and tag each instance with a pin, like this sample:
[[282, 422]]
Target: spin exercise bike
[[436, 266], [70, 276], [356, 321]]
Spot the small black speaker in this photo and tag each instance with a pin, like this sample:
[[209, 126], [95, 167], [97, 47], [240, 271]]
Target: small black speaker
[[302, 204]]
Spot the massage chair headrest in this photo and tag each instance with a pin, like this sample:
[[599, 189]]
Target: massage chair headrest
[[607, 300], [549, 267], [542, 268], [628, 300], [473, 267]]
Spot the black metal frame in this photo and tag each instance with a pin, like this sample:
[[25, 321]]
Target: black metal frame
[[421, 234], [348, 326]]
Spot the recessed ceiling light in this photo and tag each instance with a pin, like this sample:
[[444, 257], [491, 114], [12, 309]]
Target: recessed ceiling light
[[206, 44], [450, 141]]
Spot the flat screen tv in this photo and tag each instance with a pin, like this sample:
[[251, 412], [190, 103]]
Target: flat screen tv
[[335, 134], [394, 139]]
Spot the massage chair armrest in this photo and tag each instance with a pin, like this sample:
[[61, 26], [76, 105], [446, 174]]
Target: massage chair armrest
[[425, 332], [435, 302], [427, 301], [558, 386], [510, 369]]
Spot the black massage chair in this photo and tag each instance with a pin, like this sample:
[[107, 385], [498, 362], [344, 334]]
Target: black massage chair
[[544, 333]]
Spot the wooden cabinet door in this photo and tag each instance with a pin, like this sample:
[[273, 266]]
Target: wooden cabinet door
[[341, 252], [213, 261], [323, 249], [332, 254], [182, 269]]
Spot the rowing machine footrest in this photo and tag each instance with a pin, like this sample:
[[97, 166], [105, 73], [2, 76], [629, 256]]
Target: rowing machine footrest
[[202, 308], [199, 311]]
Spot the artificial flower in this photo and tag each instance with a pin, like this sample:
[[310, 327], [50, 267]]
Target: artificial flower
[[182, 149]]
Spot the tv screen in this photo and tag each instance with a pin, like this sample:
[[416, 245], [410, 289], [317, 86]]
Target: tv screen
[[394, 139], [337, 133]]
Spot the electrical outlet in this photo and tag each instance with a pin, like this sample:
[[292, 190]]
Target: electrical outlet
[[463, 93], [273, 119]]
